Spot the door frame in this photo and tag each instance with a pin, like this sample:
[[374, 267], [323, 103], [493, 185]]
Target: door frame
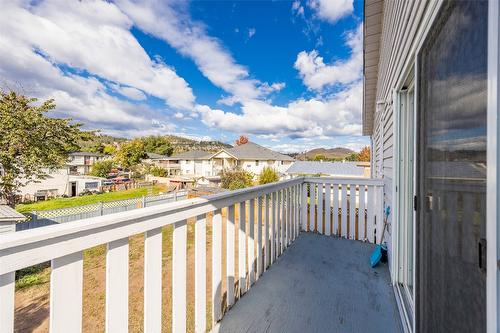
[[493, 175], [397, 262]]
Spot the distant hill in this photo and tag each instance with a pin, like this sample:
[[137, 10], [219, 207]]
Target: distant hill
[[180, 144], [332, 153]]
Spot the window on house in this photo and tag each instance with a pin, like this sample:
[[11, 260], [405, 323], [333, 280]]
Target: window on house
[[91, 185]]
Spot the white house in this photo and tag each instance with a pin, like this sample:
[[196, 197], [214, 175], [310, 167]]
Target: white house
[[70, 180], [430, 98], [80, 163], [251, 157]]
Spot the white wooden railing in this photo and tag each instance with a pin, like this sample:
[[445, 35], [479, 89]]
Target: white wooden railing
[[278, 210], [346, 207]]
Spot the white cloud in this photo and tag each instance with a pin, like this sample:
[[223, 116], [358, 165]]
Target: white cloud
[[169, 21], [339, 114], [251, 32], [331, 10], [316, 74], [129, 92], [297, 8], [94, 37], [77, 53]]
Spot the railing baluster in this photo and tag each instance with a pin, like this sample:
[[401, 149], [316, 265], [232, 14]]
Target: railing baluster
[[328, 209], [7, 290], [242, 248], [361, 213], [320, 208], [352, 213], [251, 243], [66, 286], [217, 266], [370, 214], [298, 210], [200, 272], [273, 227], [344, 211], [283, 222], [312, 207], [230, 255], [287, 216], [267, 242], [291, 214], [304, 207], [179, 258], [117, 286], [335, 213], [260, 201], [152, 280]]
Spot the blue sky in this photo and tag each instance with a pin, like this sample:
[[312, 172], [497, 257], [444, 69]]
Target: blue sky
[[286, 73]]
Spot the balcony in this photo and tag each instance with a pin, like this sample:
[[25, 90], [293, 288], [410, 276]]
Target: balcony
[[288, 256]]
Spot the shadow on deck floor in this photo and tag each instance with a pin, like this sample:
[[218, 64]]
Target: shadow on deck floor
[[320, 284]]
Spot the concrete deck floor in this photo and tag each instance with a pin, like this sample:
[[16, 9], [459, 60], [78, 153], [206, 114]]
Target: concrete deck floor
[[320, 284]]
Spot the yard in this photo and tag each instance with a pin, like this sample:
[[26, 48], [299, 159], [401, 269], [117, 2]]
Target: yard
[[89, 199]]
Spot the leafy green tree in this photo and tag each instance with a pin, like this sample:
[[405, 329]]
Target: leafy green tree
[[236, 179], [157, 144], [320, 157], [31, 142], [268, 175], [130, 153], [352, 157], [102, 168], [109, 150]]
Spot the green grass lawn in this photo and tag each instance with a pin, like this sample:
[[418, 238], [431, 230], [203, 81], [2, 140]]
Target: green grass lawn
[[86, 199]]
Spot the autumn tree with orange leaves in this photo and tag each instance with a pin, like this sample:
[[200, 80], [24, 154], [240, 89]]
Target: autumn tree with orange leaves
[[242, 140], [364, 154]]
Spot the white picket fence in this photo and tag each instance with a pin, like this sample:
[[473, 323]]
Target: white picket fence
[[44, 218], [269, 219]]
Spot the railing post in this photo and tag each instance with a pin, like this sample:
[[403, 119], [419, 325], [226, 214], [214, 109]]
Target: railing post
[[7, 281], [34, 216], [101, 208], [143, 201]]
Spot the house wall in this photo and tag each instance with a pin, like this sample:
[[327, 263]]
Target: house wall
[[196, 168], [256, 166], [404, 26]]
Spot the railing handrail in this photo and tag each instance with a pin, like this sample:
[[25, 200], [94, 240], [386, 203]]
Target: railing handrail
[[39, 245], [344, 180]]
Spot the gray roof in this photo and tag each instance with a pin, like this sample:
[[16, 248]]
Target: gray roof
[[192, 155], [346, 169], [155, 156], [9, 214], [253, 151], [85, 153]]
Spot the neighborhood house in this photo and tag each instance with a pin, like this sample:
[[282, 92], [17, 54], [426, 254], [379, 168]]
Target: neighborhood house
[[70, 180]]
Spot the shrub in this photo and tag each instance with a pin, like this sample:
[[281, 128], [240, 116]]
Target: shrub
[[236, 179], [268, 175], [158, 171]]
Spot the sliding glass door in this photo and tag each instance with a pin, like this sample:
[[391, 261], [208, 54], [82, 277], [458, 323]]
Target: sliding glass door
[[451, 179]]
